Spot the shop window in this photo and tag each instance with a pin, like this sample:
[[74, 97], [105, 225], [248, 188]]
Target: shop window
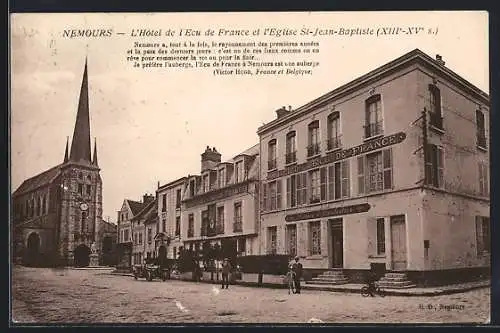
[[315, 238]]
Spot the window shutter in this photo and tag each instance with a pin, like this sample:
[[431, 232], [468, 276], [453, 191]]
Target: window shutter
[[387, 157], [481, 184], [265, 196], [299, 189], [371, 233], [361, 174], [323, 183], [479, 235], [288, 192], [346, 184], [305, 187], [278, 194], [331, 183], [440, 166]]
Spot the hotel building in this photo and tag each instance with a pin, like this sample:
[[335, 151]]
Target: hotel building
[[220, 206], [388, 172]]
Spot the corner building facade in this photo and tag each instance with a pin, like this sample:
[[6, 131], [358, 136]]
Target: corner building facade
[[389, 172]]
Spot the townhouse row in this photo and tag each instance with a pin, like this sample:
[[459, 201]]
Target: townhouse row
[[387, 172]]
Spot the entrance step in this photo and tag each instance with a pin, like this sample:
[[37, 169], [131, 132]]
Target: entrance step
[[333, 277], [395, 281]]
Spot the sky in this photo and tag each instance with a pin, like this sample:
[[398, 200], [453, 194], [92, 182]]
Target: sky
[[151, 125]]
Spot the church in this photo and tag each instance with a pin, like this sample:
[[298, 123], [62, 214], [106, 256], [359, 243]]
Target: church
[[57, 215]]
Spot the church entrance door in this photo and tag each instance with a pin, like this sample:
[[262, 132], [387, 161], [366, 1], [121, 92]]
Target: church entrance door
[[82, 256]]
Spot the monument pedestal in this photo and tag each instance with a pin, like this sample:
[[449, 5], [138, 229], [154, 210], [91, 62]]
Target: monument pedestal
[[94, 259]]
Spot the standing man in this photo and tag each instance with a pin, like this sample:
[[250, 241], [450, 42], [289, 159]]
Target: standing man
[[297, 269], [226, 269]]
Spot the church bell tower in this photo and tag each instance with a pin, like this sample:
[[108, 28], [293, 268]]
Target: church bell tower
[[81, 190]]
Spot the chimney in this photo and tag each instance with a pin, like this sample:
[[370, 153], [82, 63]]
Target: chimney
[[282, 112], [147, 198], [210, 158], [439, 60]]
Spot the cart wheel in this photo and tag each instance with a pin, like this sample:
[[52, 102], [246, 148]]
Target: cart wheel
[[365, 292], [149, 276], [380, 292]]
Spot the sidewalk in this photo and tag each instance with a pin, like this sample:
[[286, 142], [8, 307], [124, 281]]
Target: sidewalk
[[276, 281]]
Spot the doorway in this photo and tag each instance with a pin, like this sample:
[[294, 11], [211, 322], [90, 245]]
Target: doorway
[[82, 256], [33, 249], [337, 243], [398, 241]]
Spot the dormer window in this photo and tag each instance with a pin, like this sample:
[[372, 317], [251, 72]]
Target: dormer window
[[206, 183], [192, 188], [221, 179], [271, 161], [238, 172]]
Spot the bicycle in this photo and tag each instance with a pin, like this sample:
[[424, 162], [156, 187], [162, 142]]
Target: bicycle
[[365, 291], [290, 275]]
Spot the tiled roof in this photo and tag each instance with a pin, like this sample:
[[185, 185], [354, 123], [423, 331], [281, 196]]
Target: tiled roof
[[135, 206], [146, 208], [39, 180]]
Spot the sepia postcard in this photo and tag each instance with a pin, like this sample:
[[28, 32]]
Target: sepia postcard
[[250, 168]]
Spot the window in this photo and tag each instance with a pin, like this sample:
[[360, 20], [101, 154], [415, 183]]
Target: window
[[374, 121], [301, 188], [480, 129], [177, 226], [333, 131], [291, 191], [375, 172], [315, 186], [150, 235], [89, 189], [271, 157], [291, 236], [192, 185], [435, 117], [89, 178], [164, 202], [238, 172], [174, 252], [219, 227], [190, 225], [274, 198], [206, 184], [39, 206], [272, 236], [380, 236], [313, 147], [221, 179], [291, 155], [163, 224], [178, 198], [80, 189], [140, 238], [241, 245], [483, 179], [483, 239], [125, 236], [315, 238], [44, 205], [83, 222], [434, 165], [339, 180], [238, 225]]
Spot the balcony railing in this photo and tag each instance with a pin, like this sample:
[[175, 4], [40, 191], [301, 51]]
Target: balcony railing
[[334, 142], [373, 129], [481, 141], [436, 120], [314, 199], [291, 157], [313, 149], [271, 164]]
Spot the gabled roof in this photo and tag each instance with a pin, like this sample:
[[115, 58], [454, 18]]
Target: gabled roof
[[42, 179], [135, 206], [146, 210]]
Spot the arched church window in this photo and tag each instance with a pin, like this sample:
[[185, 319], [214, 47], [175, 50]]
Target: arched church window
[[89, 178]]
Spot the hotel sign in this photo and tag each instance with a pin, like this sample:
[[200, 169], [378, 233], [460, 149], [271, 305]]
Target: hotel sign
[[340, 155], [316, 214], [217, 195]]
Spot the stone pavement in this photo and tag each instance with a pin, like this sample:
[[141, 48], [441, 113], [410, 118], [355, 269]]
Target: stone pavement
[[86, 296], [277, 281]]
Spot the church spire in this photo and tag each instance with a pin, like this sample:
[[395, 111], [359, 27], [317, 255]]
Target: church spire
[[66, 151], [94, 160], [80, 146]]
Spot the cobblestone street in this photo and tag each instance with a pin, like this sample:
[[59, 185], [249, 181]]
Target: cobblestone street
[[92, 296]]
